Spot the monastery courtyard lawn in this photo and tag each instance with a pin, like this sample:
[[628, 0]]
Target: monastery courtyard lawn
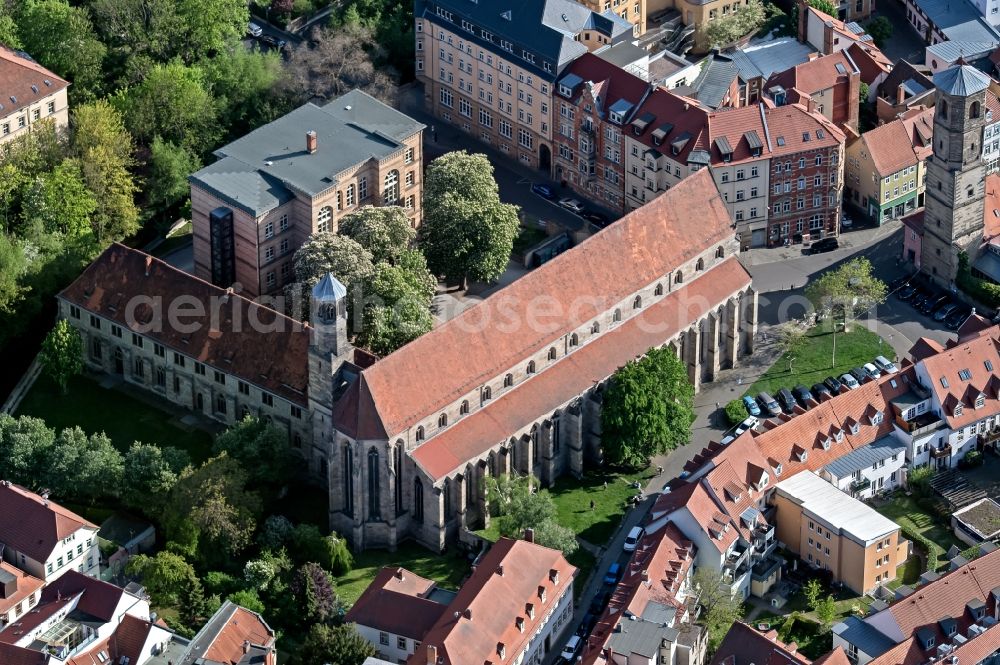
[[812, 356], [122, 417], [448, 569]]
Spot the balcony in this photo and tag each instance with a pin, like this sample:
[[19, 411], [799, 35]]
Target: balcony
[[738, 556], [989, 437], [922, 424], [943, 451], [860, 485]]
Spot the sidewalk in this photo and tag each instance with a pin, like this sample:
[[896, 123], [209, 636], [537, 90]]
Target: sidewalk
[[859, 237]]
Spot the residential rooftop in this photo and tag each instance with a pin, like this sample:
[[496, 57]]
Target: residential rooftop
[[843, 513], [983, 517], [865, 457]]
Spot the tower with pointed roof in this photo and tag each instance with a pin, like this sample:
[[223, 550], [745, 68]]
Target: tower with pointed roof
[[953, 216], [329, 346]]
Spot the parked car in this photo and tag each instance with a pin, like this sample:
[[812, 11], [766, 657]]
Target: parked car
[[600, 220], [572, 205], [873, 371], [848, 380], [751, 405], [572, 646], [922, 295], [749, 423], [898, 283], [787, 400], [543, 190], [255, 30], [957, 318], [768, 404], [586, 624], [820, 389], [886, 365], [614, 573], [824, 245], [599, 602], [933, 304], [944, 311], [273, 42], [860, 374], [833, 384], [802, 395], [906, 292], [632, 539], [846, 222]]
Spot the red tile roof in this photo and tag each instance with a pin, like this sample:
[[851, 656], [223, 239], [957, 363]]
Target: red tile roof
[[807, 431], [33, 525], [26, 586], [241, 626], [396, 602], [548, 390], [232, 334], [791, 122], [991, 208], [745, 646], [814, 75], [685, 117], [513, 575], [915, 222], [611, 82], [971, 354], [17, 76], [835, 657], [12, 655], [901, 143], [870, 60], [128, 639], [456, 358]]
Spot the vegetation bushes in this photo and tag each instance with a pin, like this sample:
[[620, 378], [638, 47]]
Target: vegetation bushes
[[978, 289], [932, 549], [736, 411]]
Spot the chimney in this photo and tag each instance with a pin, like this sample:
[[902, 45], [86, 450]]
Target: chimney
[[311, 141], [246, 647], [645, 575], [399, 574], [149, 264], [432, 654], [500, 570], [467, 613], [812, 56], [900, 94], [529, 535]]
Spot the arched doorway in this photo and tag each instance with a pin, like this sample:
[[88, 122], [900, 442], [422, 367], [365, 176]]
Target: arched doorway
[[119, 362], [544, 158]]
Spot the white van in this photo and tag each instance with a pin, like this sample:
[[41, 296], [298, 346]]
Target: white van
[[569, 651], [632, 539]]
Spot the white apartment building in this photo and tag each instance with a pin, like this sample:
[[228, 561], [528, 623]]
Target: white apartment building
[[877, 468]]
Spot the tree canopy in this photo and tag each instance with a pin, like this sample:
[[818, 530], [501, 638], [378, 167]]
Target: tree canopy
[[849, 290], [341, 644], [467, 233], [383, 231], [519, 505], [648, 409], [62, 353], [726, 30], [251, 441], [62, 38]]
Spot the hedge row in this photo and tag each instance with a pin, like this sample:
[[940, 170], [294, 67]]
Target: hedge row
[[934, 551]]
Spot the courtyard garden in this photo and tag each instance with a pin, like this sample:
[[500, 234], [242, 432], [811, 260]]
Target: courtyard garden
[[811, 358], [448, 569], [94, 409], [930, 532]]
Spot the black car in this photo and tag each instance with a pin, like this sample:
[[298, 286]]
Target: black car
[[803, 395], [957, 318], [586, 624], [820, 389], [787, 400], [824, 245], [597, 219], [599, 602], [861, 374], [833, 383], [543, 190], [946, 310], [906, 292], [933, 304], [273, 42], [898, 282], [921, 297]]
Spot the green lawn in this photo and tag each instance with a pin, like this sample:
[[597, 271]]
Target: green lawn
[[811, 358], [182, 236], [447, 569], [123, 418], [573, 497], [903, 510], [584, 561]]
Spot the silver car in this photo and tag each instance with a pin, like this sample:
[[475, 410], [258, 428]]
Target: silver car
[[886, 365]]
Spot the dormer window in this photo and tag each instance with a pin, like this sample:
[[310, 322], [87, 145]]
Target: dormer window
[[855, 428], [541, 593], [762, 483], [980, 400], [802, 455], [529, 609], [778, 469], [958, 410], [519, 622], [501, 650], [826, 443], [838, 436], [877, 418], [615, 117], [565, 91]]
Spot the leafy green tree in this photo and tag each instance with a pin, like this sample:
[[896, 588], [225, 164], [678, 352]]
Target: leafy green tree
[[252, 440], [212, 25], [313, 587], [13, 265], [330, 551], [210, 511], [258, 573], [275, 533], [341, 644], [826, 610], [848, 290], [249, 599], [721, 609], [100, 125], [863, 92], [467, 232], [383, 231], [219, 583], [348, 261], [919, 480], [24, 446], [82, 467], [736, 411], [165, 576], [169, 168], [61, 201], [193, 607], [243, 83], [813, 591], [397, 306], [519, 505], [150, 473], [62, 354], [880, 30], [8, 31], [728, 29], [788, 335], [824, 6], [139, 28], [62, 38], [172, 102], [648, 409]]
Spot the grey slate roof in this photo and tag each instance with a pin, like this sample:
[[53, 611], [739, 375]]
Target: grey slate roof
[[712, 84], [765, 58], [544, 27], [864, 636], [259, 171], [640, 637], [951, 51], [328, 288], [865, 457], [959, 20], [961, 81]]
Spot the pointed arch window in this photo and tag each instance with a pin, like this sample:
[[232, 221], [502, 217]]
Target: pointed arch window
[[700, 265], [617, 316], [443, 420], [487, 394], [420, 433], [418, 500], [464, 409], [679, 277], [508, 381], [721, 251], [637, 302], [574, 340], [374, 475], [397, 463], [348, 483], [658, 291], [595, 328], [974, 110], [531, 367], [552, 353]]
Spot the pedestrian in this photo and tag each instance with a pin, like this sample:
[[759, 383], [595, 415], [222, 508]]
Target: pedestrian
[[592, 505], [605, 484], [717, 405], [659, 470]]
